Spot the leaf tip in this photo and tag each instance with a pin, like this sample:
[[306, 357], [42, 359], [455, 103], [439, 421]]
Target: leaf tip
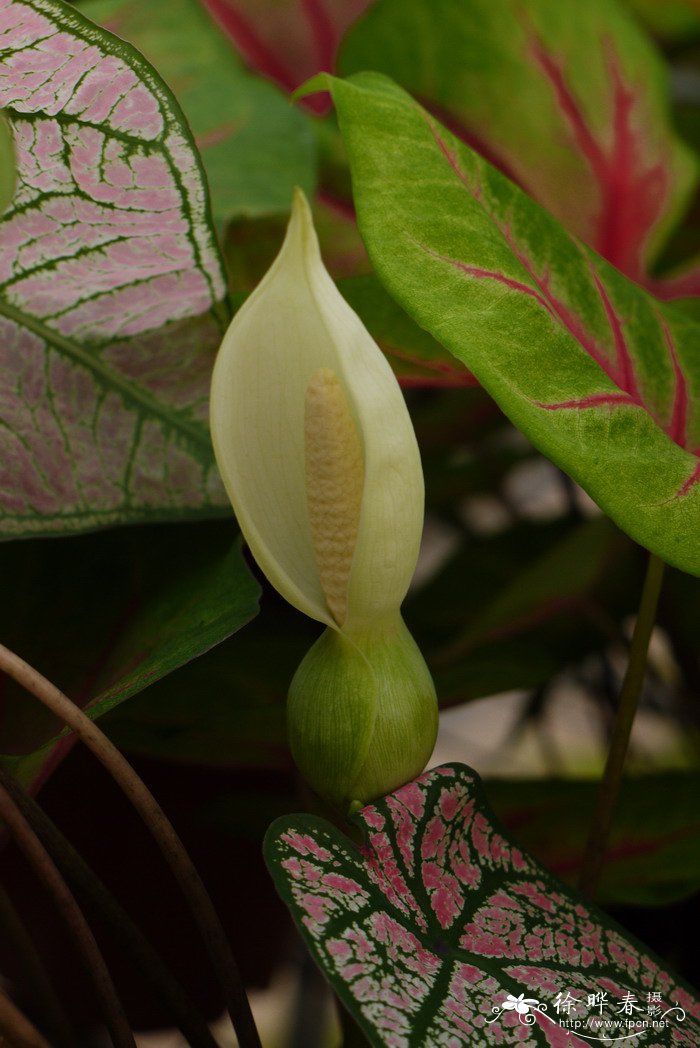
[[315, 85]]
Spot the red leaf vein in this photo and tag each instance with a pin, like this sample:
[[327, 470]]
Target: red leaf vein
[[621, 372], [254, 49], [631, 194], [677, 428]]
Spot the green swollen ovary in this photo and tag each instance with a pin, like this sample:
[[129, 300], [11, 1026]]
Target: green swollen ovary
[[362, 713]]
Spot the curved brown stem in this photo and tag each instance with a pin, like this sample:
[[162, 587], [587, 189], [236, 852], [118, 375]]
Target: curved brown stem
[[134, 943], [16, 1031], [36, 854], [44, 997], [163, 833]]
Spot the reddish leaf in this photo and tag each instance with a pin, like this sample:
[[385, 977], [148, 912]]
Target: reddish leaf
[[287, 41], [653, 856]]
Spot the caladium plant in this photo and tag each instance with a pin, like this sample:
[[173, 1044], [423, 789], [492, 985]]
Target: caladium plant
[[586, 129], [535, 295], [439, 930], [596, 372], [111, 286]]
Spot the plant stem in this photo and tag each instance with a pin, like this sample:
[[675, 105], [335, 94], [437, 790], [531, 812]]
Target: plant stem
[[38, 857], [609, 790], [164, 834], [134, 943], [16, 1031], [43, 996]]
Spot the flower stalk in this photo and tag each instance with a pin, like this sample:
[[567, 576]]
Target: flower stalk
[[609, 790]]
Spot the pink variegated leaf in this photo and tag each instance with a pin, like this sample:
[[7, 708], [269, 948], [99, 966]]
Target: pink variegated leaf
[[110, 280], [255, 146], [440, 931], [569, 100], [7, 164]]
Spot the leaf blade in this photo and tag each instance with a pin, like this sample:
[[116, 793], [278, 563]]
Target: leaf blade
[[7, 164], [426, 930], [287, 41], [150, 620], [110, 277], [653, 855], [586, 131], [578, 357], [254, 145]]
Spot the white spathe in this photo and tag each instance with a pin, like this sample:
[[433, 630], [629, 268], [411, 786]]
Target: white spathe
[[292, 326]]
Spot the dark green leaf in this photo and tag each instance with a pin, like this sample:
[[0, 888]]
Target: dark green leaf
[[654, 852], [105, 616], [226, 708]]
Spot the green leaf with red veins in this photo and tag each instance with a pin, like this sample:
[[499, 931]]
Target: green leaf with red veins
[[572, 107], [439, 926], [287, 40], [671, 20], [600, 376], [110, 280]]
